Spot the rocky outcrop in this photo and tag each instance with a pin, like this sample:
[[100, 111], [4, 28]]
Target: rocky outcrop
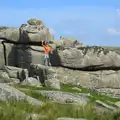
[[10, 34], [89, 58], [34, 31], [65, 43], [10, 93], [47, 75], [27, 55], [31, 82], [2, 60], [64, 97], [101, 64], [90, 79]]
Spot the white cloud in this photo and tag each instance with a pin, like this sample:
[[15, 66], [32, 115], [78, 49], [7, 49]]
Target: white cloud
[[113, 31]]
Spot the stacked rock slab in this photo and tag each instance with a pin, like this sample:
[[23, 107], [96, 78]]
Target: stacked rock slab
[[2, 61], [27, 55], [9, 54], [20, 53], [26, 33], [89, 58]]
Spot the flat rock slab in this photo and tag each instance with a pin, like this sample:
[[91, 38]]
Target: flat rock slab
[[64, 97], [89, 58], [9, 93], [105, 105]]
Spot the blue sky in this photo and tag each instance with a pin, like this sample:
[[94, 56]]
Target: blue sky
[[94, 22]]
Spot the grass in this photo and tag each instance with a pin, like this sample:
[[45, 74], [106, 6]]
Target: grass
[[96, 96], [18, 110], [30, 90]]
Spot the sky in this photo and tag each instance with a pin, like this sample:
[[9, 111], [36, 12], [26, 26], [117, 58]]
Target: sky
[[93, 22]]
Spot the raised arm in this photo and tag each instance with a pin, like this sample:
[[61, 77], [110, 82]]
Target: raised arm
[[43, 45]]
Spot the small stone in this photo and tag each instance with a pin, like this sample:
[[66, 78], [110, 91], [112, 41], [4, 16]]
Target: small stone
[[76, 88]]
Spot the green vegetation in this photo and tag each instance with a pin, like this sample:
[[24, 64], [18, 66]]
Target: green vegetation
[[68, 88], [34, 21], [96, 95], [18, 110]]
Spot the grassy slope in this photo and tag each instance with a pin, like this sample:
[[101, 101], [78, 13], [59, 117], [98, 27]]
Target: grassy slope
[[50, 111]]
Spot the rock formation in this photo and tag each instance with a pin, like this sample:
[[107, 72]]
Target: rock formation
[[96, 68]]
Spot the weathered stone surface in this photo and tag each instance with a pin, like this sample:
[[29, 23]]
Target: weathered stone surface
[[89, 79], [53, 83], [70, 42], [17, 73], [105, 105], [10, 54], [64, 97], [4, 78], [112, 48], [27, 55], [4, 75], [112, 92], [44, 73], [89, 58], [10, 33], [12, 71], [31, 82], [10, 93], [2, 61], [34, 31]]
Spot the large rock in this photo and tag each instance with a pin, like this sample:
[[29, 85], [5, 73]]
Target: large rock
[[7, 54], [12, 71], [2, 59], [89, 58], [112, 48], [100, 103], [89, 79], [65, 43], [112, 92], [31, 82], [10, 33], [10, 54], [53, 83], [27, 55], [64, 97], [16, 73], [34, 31], [32, 34], [47, 75], [10, 93], [70, 42]]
